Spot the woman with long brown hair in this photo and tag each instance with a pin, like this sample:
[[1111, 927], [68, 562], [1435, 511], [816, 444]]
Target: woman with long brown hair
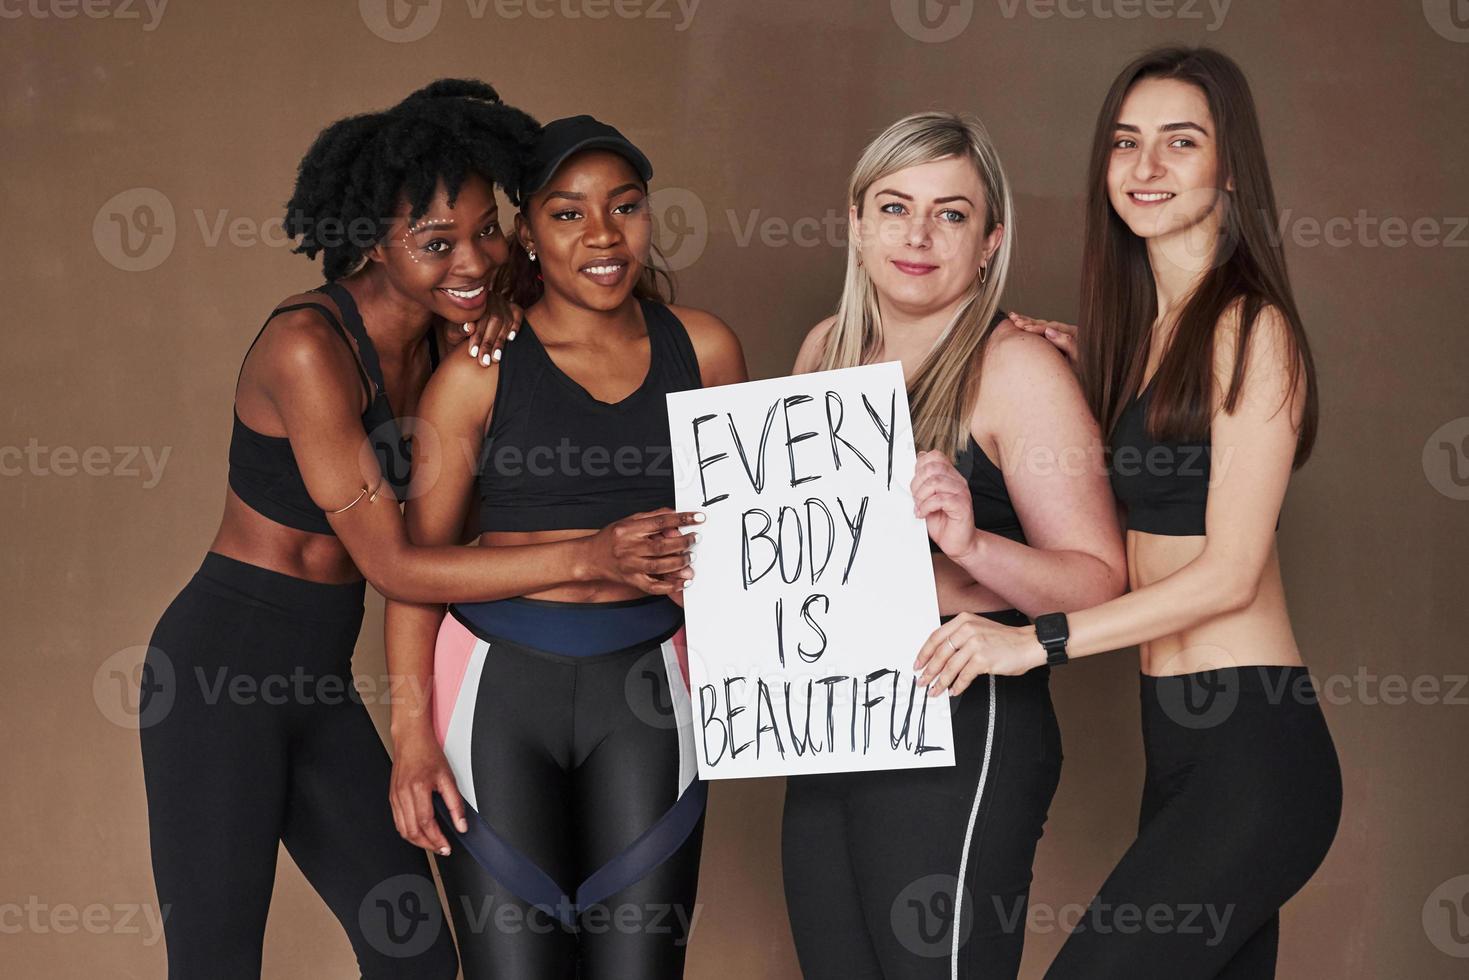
[[1192, 354]]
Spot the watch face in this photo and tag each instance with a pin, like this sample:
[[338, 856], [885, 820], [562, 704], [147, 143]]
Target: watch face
[[1051, 628]]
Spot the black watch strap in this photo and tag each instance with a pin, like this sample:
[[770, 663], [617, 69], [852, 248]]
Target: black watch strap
[[1052, 631]]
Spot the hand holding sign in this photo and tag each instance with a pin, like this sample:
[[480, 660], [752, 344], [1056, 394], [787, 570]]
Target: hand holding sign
[[815, 587], [941, 497]]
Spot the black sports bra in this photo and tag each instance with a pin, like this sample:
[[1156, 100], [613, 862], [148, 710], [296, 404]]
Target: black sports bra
[[263, 471], [556, 458], [993, 512], [1163, 485], [993, 509]]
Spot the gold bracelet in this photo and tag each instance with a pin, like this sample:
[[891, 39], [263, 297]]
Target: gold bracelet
[[371, 496]]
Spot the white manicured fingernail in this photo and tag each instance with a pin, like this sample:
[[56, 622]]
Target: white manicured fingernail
[[510, 335], [485, 360], [466, 328], [444, 851], [497, 354], [474, 351]]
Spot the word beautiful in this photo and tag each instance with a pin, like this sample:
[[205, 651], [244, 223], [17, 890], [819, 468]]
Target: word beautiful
[[806, 490]]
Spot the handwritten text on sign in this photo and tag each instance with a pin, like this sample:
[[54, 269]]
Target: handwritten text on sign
[[813, 587]]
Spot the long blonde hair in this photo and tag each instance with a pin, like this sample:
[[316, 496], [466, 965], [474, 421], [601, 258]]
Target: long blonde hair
[[946, 383]]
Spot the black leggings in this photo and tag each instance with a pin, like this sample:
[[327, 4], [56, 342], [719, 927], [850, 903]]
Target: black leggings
[[1240, 805], [578, 773], [252, 736], [871, 860]]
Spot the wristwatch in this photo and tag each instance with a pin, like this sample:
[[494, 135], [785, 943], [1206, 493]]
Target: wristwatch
[[1052, 632]]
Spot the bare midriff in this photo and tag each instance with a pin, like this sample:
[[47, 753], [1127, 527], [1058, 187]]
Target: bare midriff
[[1260, 633]]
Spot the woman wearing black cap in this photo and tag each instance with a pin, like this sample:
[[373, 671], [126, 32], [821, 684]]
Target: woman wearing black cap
[[250, 734], [556, 739]]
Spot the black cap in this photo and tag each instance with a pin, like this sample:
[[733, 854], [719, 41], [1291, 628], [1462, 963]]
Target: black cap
[[560, 138]]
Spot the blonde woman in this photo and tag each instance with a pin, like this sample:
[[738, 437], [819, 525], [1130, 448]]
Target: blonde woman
[[926, 873]]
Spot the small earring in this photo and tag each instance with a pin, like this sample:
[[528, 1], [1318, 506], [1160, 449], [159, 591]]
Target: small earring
[[984, 272], [532, 253]]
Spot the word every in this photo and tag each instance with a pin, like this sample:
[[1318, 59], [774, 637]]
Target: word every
[[798, 472]]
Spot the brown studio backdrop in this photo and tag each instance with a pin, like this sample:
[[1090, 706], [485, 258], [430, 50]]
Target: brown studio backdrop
[[756, 110]]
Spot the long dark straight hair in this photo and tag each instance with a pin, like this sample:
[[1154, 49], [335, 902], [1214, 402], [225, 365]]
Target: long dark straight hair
[[1119, 300]]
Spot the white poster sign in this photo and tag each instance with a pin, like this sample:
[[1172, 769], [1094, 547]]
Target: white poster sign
[[813, 587]]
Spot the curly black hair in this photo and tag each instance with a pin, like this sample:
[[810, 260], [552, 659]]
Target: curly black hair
[[361, 169]]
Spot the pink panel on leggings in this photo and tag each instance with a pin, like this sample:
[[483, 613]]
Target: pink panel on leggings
[[451, 659]]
